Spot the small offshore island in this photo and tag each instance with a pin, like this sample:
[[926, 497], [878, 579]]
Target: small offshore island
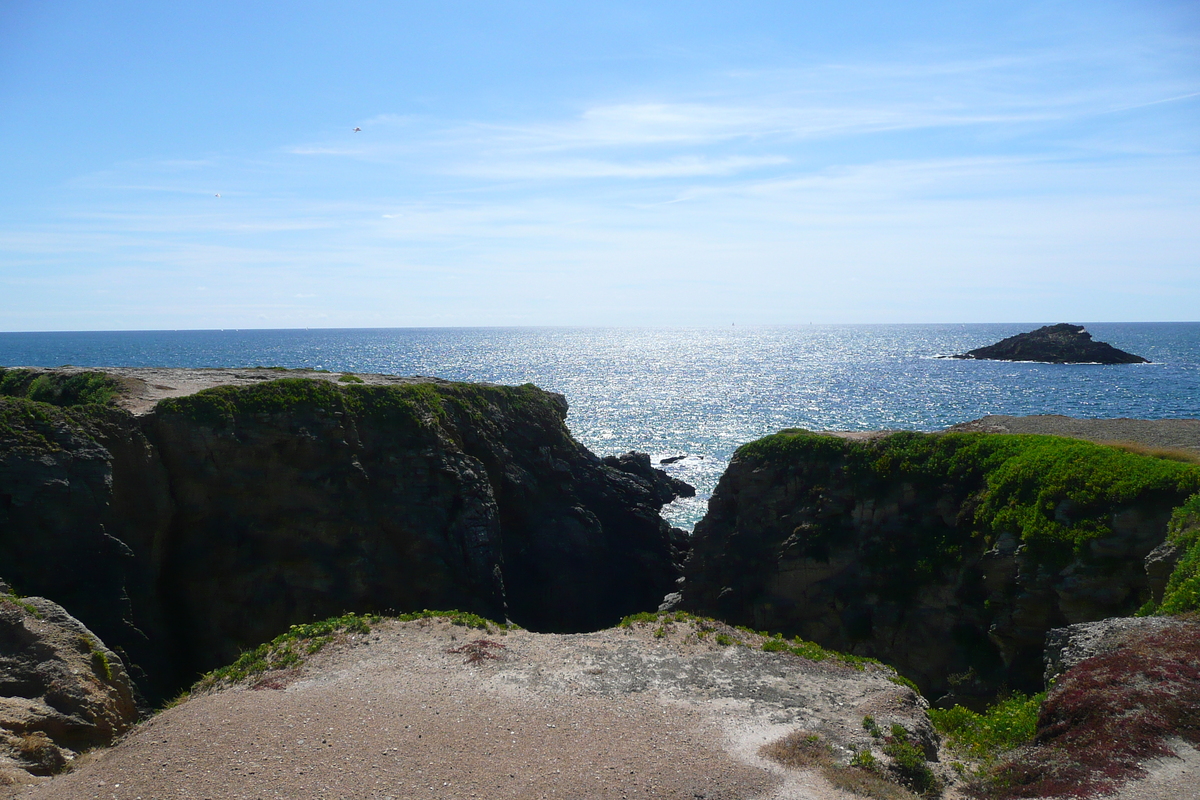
[[155, 523], [1063, 343]]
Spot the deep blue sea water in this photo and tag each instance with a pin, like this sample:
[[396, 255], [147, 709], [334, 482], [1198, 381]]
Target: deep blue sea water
[[701, 392]]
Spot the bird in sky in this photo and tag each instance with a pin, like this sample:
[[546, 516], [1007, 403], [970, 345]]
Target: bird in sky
[[358, 130], [218, 194]]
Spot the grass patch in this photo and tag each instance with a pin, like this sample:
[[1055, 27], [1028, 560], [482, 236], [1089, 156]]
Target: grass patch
[[1179, 454], [983, 738], [101, 665], [729, 635], [424, 404], [12, 598], [908, 762], [290, 649], [348, 377]]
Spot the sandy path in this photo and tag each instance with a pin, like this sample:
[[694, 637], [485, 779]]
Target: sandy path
[[615, 714]]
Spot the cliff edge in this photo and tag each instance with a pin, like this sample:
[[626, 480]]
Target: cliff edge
[[949, 556], [185, 525]]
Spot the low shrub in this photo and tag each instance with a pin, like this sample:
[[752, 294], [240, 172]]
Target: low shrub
[[908, 762], [1105, 717], [59, 389], [1182, 593], [984, 737]]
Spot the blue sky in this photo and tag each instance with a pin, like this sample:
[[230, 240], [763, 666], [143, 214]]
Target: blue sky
[[655, 163]]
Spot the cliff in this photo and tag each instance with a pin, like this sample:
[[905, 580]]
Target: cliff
[[1056, 344], [949, 556], [219, 518]]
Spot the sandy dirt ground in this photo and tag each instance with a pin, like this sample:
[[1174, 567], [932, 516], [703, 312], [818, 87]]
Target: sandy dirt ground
[[615, 714]]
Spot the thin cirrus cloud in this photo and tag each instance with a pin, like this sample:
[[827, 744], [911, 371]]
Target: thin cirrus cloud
[[680, 167]]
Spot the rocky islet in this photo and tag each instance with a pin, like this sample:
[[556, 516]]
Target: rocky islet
[[1063, 343]]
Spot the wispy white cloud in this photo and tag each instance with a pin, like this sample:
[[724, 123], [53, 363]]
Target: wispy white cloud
[[679, 167]]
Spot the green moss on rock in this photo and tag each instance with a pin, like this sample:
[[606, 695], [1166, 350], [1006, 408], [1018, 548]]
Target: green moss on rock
[[1055, 493], [35, 427], [426, 403]]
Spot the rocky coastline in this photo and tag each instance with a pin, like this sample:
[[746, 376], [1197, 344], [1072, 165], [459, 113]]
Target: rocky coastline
[[177, 518], [301, 497]]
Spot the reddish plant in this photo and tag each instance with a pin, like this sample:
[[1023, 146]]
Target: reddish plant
[[1107, 715], [478, 650]]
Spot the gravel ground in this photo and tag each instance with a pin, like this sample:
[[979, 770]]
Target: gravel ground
[[615, 714]]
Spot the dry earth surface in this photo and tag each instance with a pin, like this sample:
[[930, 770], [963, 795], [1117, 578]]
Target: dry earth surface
[[620, 713]]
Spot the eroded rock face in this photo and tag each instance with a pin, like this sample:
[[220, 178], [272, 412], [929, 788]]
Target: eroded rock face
[[1056, 344], [895, 568], [211, 524], [61, 689]]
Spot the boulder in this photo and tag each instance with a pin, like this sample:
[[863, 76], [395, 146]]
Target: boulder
[[1069, 646], [61, 689], [664, 487]]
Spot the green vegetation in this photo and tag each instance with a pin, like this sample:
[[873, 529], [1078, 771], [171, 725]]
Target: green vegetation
[[1182, 594], [727, 636], [908, 762], [101, 665], [984, 738], [1105, 718], [863, 776], [12, 598], [287, 649], [58, 389], [348, 377], [424, 404], [291, 648], [1055, 493]]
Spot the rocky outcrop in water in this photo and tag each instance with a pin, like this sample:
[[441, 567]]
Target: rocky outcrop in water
[[209, 525], [1056, 344], [61, 690], [930, 553]]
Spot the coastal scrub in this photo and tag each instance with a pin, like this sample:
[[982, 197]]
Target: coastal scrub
[[57, 388], [1182, 594], [1057, 494]]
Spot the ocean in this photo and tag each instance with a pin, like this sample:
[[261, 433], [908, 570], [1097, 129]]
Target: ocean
[[701, 392]]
